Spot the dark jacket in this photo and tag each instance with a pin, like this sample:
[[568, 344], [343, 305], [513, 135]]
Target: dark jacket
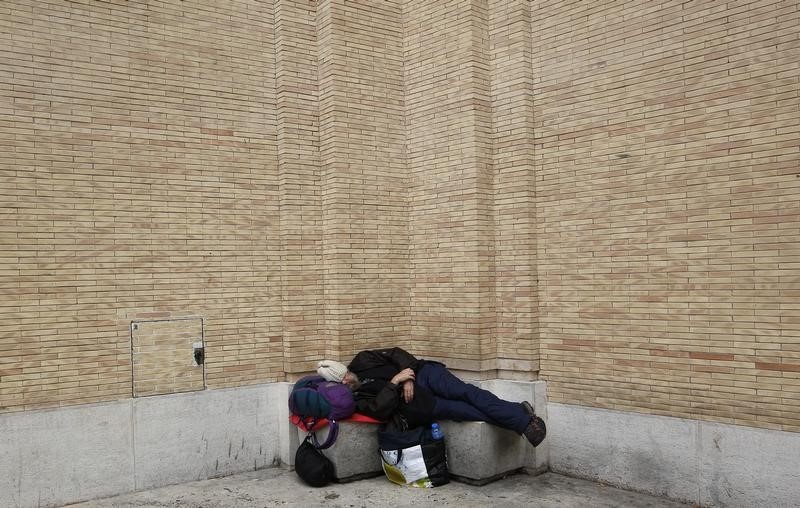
[[383, 363], [379, 398]]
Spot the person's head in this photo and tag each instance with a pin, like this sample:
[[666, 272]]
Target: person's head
[[334, 371], [351, 380]]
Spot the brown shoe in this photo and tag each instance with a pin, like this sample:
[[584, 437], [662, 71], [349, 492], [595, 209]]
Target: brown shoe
[[535, 431]]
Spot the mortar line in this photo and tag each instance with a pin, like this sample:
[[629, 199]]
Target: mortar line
[[133, 444]]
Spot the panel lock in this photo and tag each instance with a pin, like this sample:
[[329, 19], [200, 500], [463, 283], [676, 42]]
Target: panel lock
[[199, 353]]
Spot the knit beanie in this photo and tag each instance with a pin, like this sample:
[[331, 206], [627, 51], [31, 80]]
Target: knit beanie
[[331, 370]]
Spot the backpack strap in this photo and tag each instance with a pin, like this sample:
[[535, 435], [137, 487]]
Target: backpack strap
[[333, 433]]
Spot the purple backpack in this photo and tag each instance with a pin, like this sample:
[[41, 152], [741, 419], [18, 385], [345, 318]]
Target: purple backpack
[[313, 398]]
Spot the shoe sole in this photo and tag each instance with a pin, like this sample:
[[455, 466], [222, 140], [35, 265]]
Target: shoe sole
[[528, 408]]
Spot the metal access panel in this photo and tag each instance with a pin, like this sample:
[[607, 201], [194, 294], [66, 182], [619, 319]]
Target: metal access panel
[[168, 356]]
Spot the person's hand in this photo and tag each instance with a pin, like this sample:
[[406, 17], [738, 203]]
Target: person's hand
[[403, 375], [408, 391]]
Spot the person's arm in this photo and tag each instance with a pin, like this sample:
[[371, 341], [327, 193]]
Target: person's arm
[[382, 405], [400, 358], [387, 399]]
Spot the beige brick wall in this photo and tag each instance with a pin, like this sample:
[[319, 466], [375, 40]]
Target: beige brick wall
[[514, 185], [469, 116], [362, 149], [139, 181], [603, 195], [668, 207], [449, 156], [343, 179], [300, 196]]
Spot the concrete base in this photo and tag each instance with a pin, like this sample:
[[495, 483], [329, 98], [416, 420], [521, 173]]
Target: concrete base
[[60, 456], [204, 434], [355, 452], [704, 463], [54, 457]]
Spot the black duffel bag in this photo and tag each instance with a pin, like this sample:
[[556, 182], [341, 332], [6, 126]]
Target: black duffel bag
[[312, 465]]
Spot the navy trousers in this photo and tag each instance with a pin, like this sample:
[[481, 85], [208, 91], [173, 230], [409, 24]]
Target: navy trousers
[[460, 401]]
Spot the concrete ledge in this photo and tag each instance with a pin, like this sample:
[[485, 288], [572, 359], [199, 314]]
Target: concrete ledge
[[355, 452], [537, 459], [477, 452], [704, 463]]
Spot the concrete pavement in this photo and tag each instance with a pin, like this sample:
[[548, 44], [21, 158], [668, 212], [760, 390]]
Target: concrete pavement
[[277, 487]]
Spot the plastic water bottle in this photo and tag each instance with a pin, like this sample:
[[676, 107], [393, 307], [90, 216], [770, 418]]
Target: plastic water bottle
[[436, 432]]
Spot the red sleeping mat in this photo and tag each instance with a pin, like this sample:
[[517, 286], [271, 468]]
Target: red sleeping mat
[[321, 423]]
